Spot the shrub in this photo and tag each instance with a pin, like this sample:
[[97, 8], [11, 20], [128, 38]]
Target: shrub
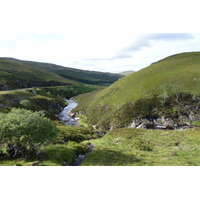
[[74, 133], [24, 131]]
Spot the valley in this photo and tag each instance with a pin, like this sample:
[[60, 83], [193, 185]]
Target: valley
[[147, 118]]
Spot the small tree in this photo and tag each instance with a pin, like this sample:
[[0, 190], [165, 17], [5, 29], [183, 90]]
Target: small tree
[[24, 131]]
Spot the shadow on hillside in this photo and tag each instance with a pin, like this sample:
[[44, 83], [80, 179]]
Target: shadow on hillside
[[108, 157]]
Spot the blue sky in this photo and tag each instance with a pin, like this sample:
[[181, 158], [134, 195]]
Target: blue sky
[[101, 35]]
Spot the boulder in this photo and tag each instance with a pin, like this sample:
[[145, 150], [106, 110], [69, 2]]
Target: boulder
[[133, 124], [141, 126]]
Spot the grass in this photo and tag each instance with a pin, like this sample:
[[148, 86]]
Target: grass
[[134, 147], [53, 155], [124, 147], [49, 99], [177, 73], [24, 74]]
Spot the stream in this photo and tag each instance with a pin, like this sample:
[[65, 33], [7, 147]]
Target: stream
[[67, 118]]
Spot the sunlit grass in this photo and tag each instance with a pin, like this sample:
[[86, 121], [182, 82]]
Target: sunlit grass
[[133, 147]]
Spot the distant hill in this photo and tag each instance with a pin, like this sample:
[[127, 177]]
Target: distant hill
[[125, 73], [16, 73], [172, 75]]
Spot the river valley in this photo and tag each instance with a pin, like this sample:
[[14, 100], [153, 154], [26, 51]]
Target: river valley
[[67, 118]]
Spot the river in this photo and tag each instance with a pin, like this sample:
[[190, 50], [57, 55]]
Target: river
[[66, 117]]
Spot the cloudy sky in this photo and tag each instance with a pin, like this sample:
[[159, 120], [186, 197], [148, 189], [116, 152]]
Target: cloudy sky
[[109, 36]]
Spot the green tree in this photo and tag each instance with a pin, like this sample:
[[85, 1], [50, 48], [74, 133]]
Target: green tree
[[24, 131]]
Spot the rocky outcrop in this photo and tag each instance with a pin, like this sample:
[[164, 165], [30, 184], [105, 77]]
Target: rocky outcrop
[[165, 123]]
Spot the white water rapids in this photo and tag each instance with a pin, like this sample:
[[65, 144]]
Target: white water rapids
[[65, 116]]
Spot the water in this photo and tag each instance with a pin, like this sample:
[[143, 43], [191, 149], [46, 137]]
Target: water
[[65, 116], [67, 119]]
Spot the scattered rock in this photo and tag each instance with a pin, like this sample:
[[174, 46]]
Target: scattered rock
[[141, 126], [36, 163], [133, 124], [64, 163], [94, 127]]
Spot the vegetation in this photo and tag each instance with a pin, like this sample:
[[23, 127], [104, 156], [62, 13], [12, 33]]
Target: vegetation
[[166, 90], [23, 132], [142, 147], [15, 74], [167, 80], [74, 133], [49, 99], [29, 138]]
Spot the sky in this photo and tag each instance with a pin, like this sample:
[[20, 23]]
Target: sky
[[108, 36]]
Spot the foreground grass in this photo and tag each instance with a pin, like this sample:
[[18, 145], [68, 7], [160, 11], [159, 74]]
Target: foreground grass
[[133, 147], [53, 155], [126, 147]]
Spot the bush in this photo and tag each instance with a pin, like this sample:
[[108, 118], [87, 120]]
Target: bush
[[74, 133], [24, 131]]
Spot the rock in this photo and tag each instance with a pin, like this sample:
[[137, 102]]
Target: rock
[[64, 163], [99, 133], [94, 127], [169, 123], [36, 163], [160, 126], [141, 126], [90, 147], [133, 124], [78, 161], [111, 128], [81, 157], [193, 117], [183, 127], [18, 164]]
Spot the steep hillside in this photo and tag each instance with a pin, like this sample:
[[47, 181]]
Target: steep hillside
[[168, 80], [83, 76]]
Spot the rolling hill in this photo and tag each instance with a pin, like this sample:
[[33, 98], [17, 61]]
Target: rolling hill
[[168, 80], [14, 70], [14, 75]]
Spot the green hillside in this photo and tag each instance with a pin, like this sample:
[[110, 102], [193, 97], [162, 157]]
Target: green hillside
[[83, 76], [176, 75], [14, 75]]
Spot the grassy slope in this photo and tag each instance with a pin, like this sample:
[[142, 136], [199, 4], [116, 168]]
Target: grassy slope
[[12, 73], [181, 72], [84, 76], [15, 75], [142, 147]]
